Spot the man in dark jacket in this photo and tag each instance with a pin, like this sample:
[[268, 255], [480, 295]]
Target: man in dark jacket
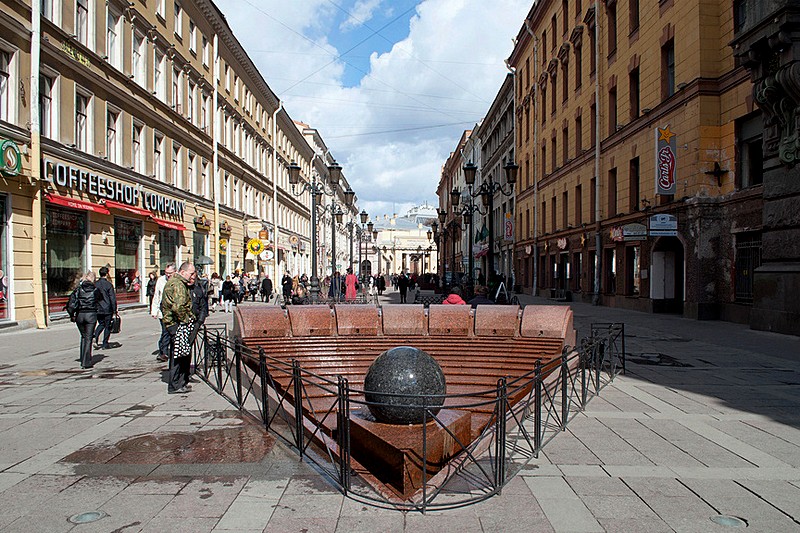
[[179, 318], [106, 309], [402, 283], [286, 286], [266, 288], [82, 309]]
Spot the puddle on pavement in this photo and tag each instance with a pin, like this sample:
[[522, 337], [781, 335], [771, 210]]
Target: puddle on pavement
[[241, 444]]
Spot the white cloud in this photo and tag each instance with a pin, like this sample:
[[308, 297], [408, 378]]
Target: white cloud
[[393, 132], [360, 14]]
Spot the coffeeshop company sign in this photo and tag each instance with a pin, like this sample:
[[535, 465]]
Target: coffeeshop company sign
[[105, 188]]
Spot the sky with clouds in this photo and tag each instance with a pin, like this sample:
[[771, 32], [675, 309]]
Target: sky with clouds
[[390, 84]]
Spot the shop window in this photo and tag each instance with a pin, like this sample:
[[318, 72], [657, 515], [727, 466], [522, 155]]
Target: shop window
[[168, 247], [632, 268], [748, 259], [66, 254], [127, 239], [610, 270], [198, 248], [577, 271]]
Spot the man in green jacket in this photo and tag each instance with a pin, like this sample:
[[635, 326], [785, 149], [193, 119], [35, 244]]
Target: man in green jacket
[[178, 318]]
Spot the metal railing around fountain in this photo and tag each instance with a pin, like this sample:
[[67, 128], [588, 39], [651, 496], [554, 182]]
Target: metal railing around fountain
[[527, 412]]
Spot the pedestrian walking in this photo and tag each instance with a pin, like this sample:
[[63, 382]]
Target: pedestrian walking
[[82, 309], [351, 285], [155, 312], [402, 286], [266, 288], [228, 292], [286, 287], [216, 286], [106, 309], [335, 289], [152, 279], [252, 287], [179, 319]]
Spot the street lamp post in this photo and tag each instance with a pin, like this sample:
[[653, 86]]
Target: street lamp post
[[486, 191], [317, 188]]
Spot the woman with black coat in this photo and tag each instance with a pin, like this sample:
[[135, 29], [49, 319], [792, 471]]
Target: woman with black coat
[[229, 295], [85, 316]]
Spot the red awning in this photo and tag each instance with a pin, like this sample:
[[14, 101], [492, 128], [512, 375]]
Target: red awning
[[75, 203], [125, 207], [168, 224]]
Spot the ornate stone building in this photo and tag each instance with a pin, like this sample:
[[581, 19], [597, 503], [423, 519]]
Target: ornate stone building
[[639, 146]]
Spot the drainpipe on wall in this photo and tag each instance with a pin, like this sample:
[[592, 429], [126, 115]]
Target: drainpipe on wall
[[216, 173], [598, 238], [275, 231], [535, 289], [37, 283]]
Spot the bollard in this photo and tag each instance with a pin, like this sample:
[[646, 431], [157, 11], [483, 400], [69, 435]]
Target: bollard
[[343, 424]]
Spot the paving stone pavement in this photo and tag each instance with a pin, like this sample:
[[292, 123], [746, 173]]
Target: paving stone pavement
[[705, 422]]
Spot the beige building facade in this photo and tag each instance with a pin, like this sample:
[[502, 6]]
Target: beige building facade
[[145, 135]]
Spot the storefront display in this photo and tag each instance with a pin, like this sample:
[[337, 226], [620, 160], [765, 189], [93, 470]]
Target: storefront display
[[66, 254], [168, 247], [128, 281]]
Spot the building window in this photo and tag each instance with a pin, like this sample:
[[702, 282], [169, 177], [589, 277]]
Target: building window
[[190, 102], [750, 160], [204, 113], [158, 75], [544, 160], [113, 45], [593, 200], [553, 209], [612, 29], [668, 69], [191, 173], [553, 30], [593, 124], [553, 94], [612, 192], [205, 180], [192, 37], [554, 163], [565, 209], [82, 21], [634, 14], [112, 142], [593, 50], [138, 53], [227, 78], [81, 121], [177, 90], [739, 14], [578, 65], [137, 151], [206, 51], [565, 84], [544, 103], [612, 111], [633, 82], [610, 278], [578, 205], [47, 9], [565, 15], [578, 136], [178, 20], [543, 217], [176, 165], [633, 184], [565, 144], [46, 115], [161, 9], [748, 259], [158, 156]]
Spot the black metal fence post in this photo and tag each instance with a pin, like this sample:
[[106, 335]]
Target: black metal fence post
[[262, 374], [537, 409], [584, 357], [564, 384], [623, 346], [237, 357], [599, 352], [343, 424], [500, 437], [220, 355], [298, 405]]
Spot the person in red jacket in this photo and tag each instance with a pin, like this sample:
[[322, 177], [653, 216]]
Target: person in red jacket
[[454, 298]]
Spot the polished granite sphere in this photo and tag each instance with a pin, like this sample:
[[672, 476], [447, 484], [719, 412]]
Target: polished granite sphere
[[398, 379]]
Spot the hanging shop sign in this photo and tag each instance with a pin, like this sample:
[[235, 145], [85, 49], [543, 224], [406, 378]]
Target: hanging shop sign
[[268, 255], [255, 246], [201, 223], [79, 179], [616, 234], [223, 246], [634, 232], [293, 240], [508, 228], [666, 161], [562, 243], [12, 158], [663, 226], [225, 228]]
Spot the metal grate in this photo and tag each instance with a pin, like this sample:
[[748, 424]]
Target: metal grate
[[748, 258]]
